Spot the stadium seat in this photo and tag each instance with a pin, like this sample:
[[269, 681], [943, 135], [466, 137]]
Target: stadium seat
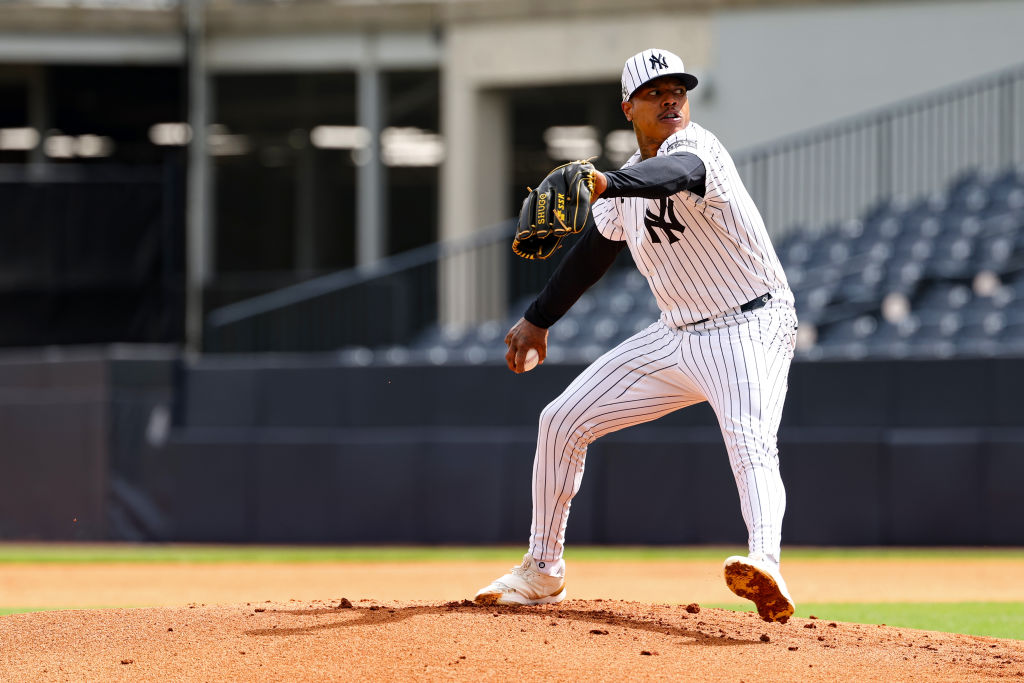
[[930, 250]]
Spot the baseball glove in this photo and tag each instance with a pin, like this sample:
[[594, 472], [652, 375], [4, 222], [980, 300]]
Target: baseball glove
[[559, 206]]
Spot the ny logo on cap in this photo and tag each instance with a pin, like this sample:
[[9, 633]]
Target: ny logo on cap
[[658, 62]]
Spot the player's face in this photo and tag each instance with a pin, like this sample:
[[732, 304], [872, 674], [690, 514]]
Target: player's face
[[658, 109]]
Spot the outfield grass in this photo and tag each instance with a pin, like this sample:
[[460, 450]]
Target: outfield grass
[[203, 554]]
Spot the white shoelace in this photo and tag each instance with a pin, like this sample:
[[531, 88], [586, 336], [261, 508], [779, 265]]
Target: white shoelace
[[522, 570]]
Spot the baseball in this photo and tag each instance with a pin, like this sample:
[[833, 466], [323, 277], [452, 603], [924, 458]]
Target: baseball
[[532, 358]]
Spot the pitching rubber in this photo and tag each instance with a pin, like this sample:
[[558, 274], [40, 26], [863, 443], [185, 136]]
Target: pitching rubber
[[757, 585]]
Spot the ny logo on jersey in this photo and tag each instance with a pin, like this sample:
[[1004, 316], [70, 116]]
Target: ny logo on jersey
[[666, 220], [658, 62]]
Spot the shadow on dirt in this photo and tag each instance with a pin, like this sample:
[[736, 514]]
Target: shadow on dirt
[[376, 616]]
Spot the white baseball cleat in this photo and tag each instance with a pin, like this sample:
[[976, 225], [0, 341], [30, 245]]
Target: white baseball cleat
[[523, 585], [758, 579]]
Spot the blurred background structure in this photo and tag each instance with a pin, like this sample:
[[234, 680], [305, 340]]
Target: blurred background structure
[[288, 328]]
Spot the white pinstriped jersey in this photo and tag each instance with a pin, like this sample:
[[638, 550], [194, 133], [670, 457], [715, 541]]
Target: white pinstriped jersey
[[701, 255]]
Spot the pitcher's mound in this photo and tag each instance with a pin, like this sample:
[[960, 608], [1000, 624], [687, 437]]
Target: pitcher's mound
[[578, 639]]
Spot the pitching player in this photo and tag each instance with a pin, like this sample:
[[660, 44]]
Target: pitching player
[[725, 335]]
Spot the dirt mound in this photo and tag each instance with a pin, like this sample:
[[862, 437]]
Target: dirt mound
[[579, 639]]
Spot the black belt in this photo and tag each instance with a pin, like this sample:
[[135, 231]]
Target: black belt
[[751, 305]]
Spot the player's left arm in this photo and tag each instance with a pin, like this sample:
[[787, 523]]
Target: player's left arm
[[585, 264], [654, 178]]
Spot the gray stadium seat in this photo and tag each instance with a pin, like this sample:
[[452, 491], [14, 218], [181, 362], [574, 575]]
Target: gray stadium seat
[[929, 250]]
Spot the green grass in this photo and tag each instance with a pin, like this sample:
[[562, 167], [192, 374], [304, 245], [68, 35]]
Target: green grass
[[208, 554], [996, 619]]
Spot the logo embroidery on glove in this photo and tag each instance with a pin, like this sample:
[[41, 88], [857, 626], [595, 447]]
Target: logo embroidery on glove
[[560, 209]]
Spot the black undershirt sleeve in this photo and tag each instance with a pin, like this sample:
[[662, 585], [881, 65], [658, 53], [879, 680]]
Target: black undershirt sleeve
[[589, 259], [592, 256], [658, 177]]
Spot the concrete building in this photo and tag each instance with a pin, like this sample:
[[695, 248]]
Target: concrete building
[[352, 130]]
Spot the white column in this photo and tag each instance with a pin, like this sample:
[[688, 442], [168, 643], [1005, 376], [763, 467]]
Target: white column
[[474, 182], [480, 59], [199, 240], [371, 230]]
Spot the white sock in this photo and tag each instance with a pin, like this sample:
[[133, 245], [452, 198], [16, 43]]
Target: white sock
[[556, 568]]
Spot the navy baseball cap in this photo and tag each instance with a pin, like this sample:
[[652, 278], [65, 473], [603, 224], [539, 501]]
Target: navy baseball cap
[[650, 64]]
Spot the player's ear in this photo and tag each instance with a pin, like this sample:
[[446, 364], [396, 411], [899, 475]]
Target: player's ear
[[627, 109]]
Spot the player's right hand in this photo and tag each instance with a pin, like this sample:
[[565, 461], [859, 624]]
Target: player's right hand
[[524, 336]]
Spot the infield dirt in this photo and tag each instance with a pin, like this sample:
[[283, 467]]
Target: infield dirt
[[404, 625], [577, 640]]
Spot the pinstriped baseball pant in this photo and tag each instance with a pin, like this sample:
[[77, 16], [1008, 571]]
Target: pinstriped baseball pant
[[738, 362]]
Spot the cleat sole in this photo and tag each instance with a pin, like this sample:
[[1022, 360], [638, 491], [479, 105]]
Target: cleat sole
[[755, 585]]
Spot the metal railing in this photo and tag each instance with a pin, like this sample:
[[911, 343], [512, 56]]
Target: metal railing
[[806, 182], [814, 179], [386, 304]]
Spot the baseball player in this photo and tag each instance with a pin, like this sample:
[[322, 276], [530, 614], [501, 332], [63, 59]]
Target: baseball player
[[725, 335]]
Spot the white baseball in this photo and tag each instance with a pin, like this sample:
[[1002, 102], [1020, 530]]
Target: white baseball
[[531, 360]]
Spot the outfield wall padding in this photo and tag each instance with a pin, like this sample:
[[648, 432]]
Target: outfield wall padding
[[302, 449]]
